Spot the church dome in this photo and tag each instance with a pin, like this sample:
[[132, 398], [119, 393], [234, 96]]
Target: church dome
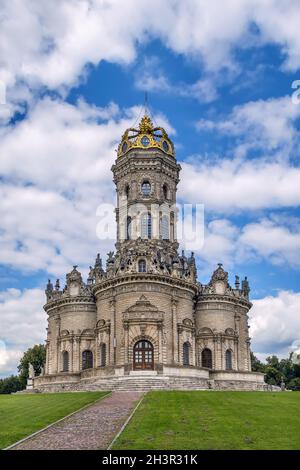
[[146, 137]]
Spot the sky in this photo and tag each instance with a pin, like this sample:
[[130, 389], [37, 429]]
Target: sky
[[223, 78]]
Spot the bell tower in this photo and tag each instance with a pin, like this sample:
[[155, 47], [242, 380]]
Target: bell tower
[[146, 175]]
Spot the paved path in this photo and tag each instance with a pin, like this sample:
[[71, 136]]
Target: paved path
[[92, 428]]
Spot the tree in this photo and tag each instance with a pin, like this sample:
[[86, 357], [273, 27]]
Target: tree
[[273, 361], [273, 375], [10, 384], [35, 356], [294, 384], [256, 364]]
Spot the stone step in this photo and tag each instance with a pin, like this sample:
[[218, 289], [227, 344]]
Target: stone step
[[145, 383]]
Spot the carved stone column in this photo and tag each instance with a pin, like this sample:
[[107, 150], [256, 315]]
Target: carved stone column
[[174, 331], [179, 329], [76, 354], [160, 343], [114, 330], [126, 345], [71, 356]]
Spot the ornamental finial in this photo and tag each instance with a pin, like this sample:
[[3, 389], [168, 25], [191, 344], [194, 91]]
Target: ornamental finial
[[146, 125]]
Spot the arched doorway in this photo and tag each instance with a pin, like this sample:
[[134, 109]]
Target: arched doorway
[[143, 355]]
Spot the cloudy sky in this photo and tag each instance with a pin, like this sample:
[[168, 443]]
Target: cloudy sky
[[219, 77]]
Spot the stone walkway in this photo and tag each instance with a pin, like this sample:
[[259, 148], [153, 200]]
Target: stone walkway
[[92, 428]]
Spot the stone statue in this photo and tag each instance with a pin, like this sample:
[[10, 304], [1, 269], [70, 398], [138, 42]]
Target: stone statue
[[31, 371]]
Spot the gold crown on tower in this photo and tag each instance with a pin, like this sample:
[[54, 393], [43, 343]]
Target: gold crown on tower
[[146, 137]]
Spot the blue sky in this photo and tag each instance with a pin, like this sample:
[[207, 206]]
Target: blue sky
[[219, 80]]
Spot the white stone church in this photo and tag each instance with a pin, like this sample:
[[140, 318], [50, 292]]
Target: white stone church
[[144, 321]]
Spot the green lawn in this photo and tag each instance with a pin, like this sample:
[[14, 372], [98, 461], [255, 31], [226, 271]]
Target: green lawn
[[214, 420], [21, 415]]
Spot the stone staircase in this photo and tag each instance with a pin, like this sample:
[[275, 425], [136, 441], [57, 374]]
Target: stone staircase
[[145, 383]]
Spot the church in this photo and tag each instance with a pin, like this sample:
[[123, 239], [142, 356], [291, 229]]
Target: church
[[143, 320]]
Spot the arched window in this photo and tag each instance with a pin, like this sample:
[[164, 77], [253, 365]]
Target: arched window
[[146, 226], [142, 266], [172, 225], [146, 188], [165, 191], [65, 361], [127, 191], [186, 353], [87, 359], [102, 354], [228, 359], [128, 228], [164, 227], [206, 358]]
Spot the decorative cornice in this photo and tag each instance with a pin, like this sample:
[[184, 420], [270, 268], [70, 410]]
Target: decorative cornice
[[84, 300], [143, 277], [224, 298]]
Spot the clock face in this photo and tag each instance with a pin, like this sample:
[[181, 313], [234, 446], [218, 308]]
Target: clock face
[[145, 141], [165, 146]]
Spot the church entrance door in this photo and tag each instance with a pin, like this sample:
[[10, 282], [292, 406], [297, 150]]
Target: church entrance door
[[143, 356]]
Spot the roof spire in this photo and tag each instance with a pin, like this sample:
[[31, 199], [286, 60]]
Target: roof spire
[[146, 107]]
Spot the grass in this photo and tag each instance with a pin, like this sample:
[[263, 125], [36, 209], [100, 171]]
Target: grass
[[21, 415], [214, 420]]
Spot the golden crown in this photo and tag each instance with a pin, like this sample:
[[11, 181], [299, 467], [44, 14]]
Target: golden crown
[[146, 137]]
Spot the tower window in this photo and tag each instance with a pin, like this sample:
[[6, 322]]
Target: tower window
[[146, 188], [165, 146], [142, 266], [228, 359], [128, 228], [127, 191], [164, 227], [165, 191], [146, 226], [145, 141]]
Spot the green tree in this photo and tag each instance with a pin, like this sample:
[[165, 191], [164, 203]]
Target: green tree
[[287, 369], [273, 376], [273, 361], [35, 356], [294, 384], [256, 364], [10, 384]]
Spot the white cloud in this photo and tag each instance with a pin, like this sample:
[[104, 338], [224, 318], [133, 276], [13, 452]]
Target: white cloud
[[22, 324], [265, 124], [232, 185], [274, 323], [50, 44], [151, 77], [275, 240], [278, 244]]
